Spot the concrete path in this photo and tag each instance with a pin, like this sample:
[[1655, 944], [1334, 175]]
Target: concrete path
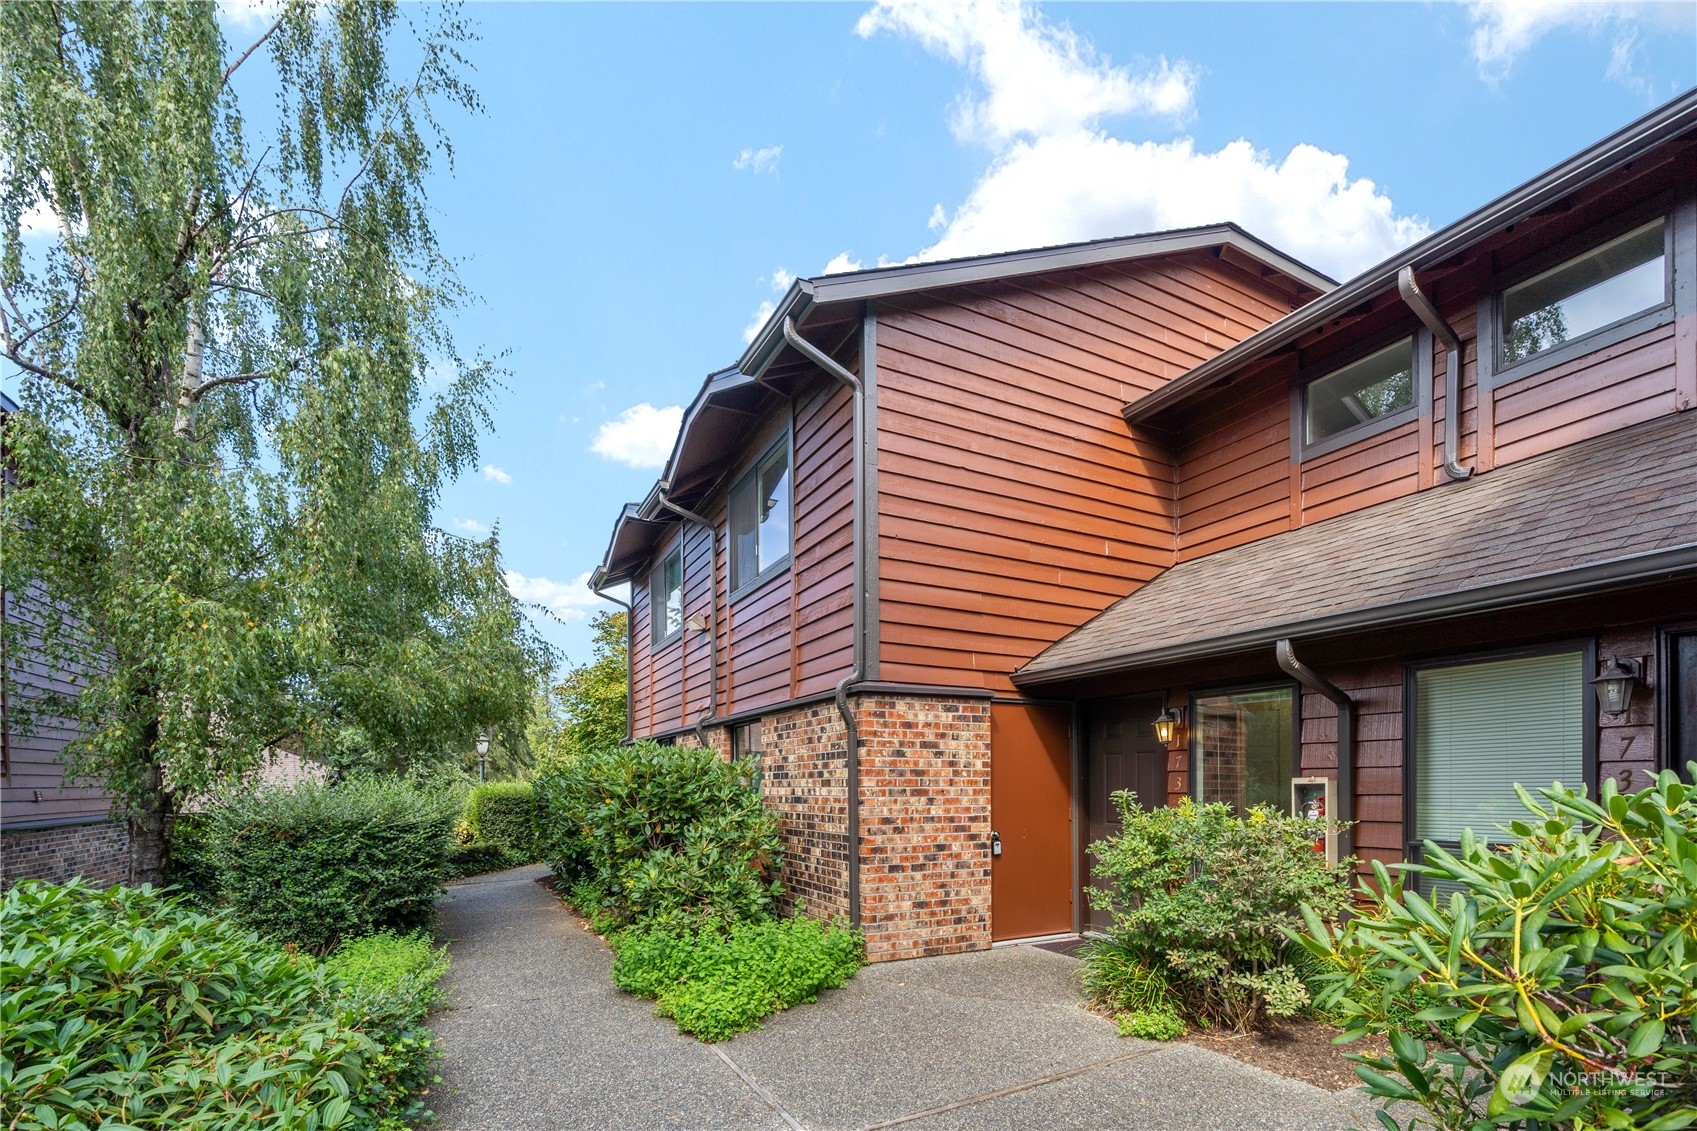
[[538, 1038]]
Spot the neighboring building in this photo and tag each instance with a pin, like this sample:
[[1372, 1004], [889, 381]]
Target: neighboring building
[[1000, 514], [49, 829]]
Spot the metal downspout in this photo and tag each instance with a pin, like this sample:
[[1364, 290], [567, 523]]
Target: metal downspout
[[851, 731], [1312, 681], [1428, 314], [712, 711], [630, 677]]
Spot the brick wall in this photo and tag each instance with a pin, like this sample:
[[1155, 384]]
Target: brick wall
[[925, 825], [719, 738], [804, 779], [98, 852]]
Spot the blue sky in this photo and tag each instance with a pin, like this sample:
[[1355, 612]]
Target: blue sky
[[645, 176]]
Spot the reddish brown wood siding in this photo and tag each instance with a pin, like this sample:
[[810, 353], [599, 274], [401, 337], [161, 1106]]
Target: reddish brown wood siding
[[792, 635], [1013, 504], [34, 752]]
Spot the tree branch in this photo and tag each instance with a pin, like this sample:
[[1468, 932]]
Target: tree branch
[[255, 45]]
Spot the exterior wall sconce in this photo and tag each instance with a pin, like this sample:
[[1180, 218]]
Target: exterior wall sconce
[[1616, 684], [697, 623], [1169, 726]]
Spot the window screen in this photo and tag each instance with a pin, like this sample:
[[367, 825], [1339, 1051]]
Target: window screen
[[1243, 744], [1586, 293], [1376, 386], [760, 517], [1482, 727]]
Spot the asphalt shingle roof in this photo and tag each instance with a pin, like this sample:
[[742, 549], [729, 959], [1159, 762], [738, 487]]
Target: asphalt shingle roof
[[1627, 499]]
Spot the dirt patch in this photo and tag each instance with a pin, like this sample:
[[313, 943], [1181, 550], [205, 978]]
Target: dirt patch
[[1300, 1049]]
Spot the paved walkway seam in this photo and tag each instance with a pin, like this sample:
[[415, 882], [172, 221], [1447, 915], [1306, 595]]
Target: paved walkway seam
[[1012, 1089], [754, 1086]]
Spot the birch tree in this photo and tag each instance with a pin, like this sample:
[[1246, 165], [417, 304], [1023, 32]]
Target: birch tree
[[229, 448]]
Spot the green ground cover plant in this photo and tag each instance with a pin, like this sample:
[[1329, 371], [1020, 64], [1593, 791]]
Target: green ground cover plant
[[504, 814], [1557, 970], [721, 980], [1204, 897], [650, 832], [315, 864], [385, 986]]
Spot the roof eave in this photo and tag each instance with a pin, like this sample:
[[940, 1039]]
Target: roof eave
[[1540, 589], [1660, 125]]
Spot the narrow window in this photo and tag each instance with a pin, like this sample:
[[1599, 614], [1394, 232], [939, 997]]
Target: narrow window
[[760, 517], [746, 742], [1380, 384], [1480, 728], [1243, 744], [1681, 690], [1587, 293], [666, 597]]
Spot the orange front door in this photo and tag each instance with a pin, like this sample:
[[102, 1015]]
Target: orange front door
[[1031, 884]]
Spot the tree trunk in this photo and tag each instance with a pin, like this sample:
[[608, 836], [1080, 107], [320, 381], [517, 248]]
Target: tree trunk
[[149, 818]]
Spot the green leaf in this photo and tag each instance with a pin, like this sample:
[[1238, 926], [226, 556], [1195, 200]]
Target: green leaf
[[1647, 1038], [1519, 1083]]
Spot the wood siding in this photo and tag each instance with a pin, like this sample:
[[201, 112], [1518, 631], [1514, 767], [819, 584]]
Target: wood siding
[[793, 634], [34, 746], [1013, 503]]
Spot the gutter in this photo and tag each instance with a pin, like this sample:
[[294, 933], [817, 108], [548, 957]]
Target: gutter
[[595, 587], [1428, 314], [1313, 681], [851, 730], [712, 711]]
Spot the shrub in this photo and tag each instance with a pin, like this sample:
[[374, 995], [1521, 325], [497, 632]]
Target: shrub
[[315, 864], [504, 813], [1119, 979], [1150, 1024], [716, 981], [1208, 896], [667, 832], [125, 1007], [477, 859], [386, 984], [1559, 974]]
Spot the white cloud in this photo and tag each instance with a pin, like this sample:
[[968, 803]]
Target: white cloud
[[1058, 177], [255, 15], [498, 474], [759, 160], [568, 600], [1504, 30], [761, 314], [641, 436], [1039, 79], [841, 263], [781, 280], [471, 526]]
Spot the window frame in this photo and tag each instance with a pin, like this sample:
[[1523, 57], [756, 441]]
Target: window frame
[[1193, 726], [656, 637], [1300, 447], [738, 749], [1413, 847], [1494, 373], [1664, 691], [764, 573]]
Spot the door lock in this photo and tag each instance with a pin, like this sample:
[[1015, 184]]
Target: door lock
[[995, 843]]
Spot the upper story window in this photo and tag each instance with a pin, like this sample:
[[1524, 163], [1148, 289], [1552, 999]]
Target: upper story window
[[1624, 277], [666, 597], [1374, 388], [760, 517]]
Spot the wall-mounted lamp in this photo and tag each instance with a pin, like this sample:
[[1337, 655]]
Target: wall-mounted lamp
[[1169, 726], [697, 623], [1616, 684]]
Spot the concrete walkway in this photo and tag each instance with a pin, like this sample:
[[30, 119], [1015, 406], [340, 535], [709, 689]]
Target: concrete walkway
[[538, 1038]]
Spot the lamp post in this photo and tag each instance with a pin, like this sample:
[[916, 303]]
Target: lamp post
[[482, 756]]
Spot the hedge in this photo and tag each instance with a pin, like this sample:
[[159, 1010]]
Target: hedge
[[504, 813]]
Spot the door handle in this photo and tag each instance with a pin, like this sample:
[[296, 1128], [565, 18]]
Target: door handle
[[995, 843]]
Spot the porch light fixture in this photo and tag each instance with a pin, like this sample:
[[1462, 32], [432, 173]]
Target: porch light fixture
[[1169, 724], [482, 755], [1616, 684]]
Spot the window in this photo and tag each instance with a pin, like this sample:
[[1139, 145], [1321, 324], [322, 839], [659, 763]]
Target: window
[[1480, 728], [1679, 696], [760, 518], [1374, 388], [746, 742], [666, 597], [1626, 276], [1243, 745]]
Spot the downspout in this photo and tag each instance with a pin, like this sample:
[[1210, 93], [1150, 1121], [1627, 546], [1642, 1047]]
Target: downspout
[[630, 679], [1428, 314], [712, 711], [851, 732], [1312, 681]]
